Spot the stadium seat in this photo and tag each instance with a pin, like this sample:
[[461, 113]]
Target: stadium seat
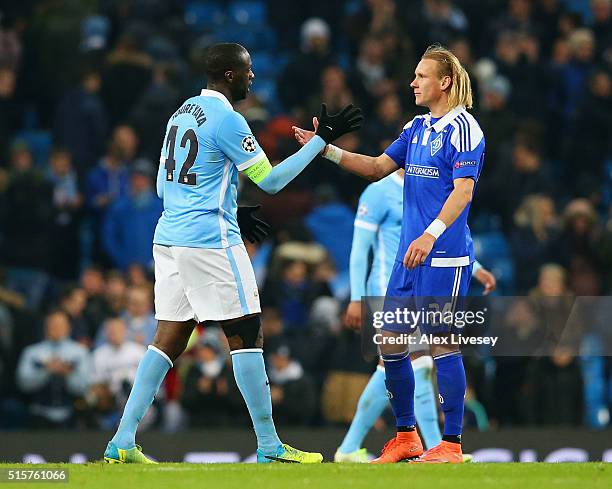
[[248, 13], [201, 16], [264, 65]]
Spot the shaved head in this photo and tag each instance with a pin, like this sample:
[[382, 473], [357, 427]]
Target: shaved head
[[221, 58]]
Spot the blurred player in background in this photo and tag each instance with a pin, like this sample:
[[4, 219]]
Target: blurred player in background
[[202, 270], [378, 230], [442, 153]]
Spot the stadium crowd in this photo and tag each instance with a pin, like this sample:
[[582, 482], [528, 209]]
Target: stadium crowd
[[86, 89]]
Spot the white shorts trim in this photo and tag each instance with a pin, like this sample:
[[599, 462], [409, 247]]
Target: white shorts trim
[[205, 284], [459, 261]]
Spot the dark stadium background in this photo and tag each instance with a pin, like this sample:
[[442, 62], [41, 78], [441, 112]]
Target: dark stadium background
[[86, 88]]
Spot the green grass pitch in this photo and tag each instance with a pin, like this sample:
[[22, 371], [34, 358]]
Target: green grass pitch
[[353, 476]]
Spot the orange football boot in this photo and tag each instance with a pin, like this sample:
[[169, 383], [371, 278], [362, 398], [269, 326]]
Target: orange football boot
[[405, 445], [444, 453]]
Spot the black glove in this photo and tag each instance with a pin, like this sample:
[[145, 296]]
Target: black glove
[[253, 229], [331, 127]]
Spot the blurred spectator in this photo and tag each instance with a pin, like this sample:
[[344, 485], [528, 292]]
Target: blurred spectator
[[116, 291], [10, 111], [10, 44], [106, 183], [524, 172], [590, 142], [130, 223], [300, 79], [54, 373], [557, 398], [569, 87], [72, 303], [81, 123], [139, 317], [116, 360], [67, 202], [293, 392], [96, 307], [583, 246], [496, 116], [26, 217], [444, 21], [209, 394], [153, 109], [384, 126], [533, 238], [127, 74], [602, 27], [334, 92], [331, 224], [372, 72]]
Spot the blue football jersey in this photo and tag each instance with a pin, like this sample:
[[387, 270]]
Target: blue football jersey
[[380, 211], [205, 146], [433, 156]]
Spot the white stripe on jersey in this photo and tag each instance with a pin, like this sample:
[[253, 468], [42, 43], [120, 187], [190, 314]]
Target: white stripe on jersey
[[467, 133], [222, 223]]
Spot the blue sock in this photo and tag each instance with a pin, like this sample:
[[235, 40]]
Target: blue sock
[[451, 386], [372, 403], [425, 406], [250, 374], [151, 372], [399, 379]]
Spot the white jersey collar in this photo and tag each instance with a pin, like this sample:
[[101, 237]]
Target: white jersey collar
[[444, 121], [213, 93]]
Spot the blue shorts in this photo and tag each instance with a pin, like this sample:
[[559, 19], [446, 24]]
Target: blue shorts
[[425, 289]]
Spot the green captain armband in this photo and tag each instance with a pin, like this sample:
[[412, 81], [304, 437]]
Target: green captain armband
[[258, 171]]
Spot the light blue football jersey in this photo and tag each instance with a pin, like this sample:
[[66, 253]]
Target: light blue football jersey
[[380, 211], [205, 145]]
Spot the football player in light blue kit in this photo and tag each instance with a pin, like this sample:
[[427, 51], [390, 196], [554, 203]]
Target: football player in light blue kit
[[202, 270], [377, 229]]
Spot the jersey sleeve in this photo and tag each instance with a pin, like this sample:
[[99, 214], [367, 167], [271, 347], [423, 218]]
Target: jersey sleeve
[[371, 212], [236, 140], [398, 148], [467, 150]]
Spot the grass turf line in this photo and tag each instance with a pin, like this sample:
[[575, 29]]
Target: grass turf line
[[354, 476]]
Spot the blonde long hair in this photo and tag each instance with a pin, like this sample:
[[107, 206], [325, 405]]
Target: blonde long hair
[[460, 91]]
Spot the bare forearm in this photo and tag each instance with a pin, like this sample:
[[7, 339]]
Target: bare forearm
[[369, 167]]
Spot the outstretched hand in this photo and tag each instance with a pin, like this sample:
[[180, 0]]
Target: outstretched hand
[[304, 135]]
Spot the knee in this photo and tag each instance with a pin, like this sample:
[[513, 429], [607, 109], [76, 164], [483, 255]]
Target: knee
[[244, 333]]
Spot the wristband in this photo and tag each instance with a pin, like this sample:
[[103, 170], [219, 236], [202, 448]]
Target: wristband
[[436, 228], [332, 153]]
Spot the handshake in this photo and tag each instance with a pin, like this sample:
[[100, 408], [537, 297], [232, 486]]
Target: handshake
[[331, 127]]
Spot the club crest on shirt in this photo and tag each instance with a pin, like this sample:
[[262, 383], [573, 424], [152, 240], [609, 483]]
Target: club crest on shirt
[[436, 144], [248, 144], [362, 210]]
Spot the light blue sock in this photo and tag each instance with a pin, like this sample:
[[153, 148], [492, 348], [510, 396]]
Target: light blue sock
[[151, 372], [425, 407], [250, 374], [372, 403]]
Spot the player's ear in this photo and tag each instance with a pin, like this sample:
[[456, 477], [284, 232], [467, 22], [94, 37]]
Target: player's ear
[[229, 75], [445, 82]]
